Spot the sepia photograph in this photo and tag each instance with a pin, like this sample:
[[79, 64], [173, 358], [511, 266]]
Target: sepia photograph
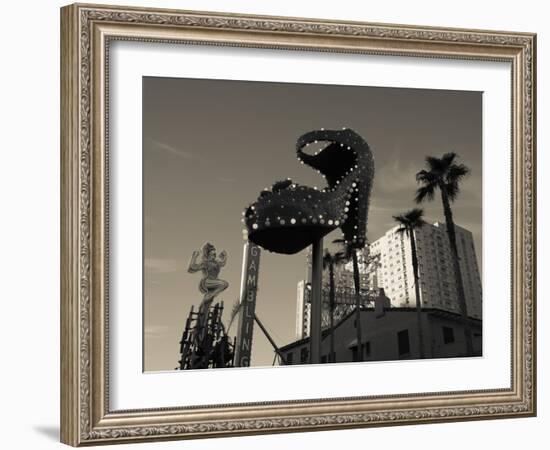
[[289, 224]]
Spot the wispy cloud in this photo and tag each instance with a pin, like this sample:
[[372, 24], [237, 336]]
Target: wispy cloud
[[177, 151], [162, 265], [395, 181], [226, 179], [395, 177], [155, 331]]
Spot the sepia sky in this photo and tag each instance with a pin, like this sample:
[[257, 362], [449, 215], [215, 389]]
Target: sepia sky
[[210, 146]]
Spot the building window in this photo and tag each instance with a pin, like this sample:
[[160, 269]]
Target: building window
[[354, 355], [366, 347], [366, 352], [304, 354], [289, 358], [403, 342], [448, 335]]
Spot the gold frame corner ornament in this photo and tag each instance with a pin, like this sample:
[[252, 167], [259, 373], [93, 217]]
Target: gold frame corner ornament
[[86, 31]]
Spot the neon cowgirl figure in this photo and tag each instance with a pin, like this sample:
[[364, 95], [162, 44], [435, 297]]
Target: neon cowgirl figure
[[210, 285]]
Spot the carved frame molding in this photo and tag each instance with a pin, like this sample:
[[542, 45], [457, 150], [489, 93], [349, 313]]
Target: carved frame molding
[[86, 31]]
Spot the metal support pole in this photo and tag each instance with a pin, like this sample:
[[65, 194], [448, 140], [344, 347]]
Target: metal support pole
[[270, 339], [316, 281]]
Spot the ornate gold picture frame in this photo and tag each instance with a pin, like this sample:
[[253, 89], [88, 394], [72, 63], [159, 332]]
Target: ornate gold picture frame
[[87, 32]]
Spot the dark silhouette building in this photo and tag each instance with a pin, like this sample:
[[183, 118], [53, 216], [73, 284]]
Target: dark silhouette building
[[391, 333]]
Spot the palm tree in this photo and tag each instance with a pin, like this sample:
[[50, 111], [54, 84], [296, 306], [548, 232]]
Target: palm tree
[[329, 261], [409, 222], [350, 252], [445, 174]]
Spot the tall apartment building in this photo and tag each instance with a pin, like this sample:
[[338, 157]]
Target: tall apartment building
[[393, 271], [437, 280]]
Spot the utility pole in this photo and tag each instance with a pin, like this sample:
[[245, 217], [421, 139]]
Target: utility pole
[[316, 306]]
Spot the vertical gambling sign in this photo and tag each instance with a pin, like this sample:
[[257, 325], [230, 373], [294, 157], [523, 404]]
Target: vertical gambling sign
[[249, 287]]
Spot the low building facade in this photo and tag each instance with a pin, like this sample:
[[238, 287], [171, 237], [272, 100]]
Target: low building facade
[[391, 333]]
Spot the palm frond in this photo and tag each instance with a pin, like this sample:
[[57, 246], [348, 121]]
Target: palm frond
[[426, 177], [443, 173], [456, 173], [448, 159], [347, 249], [425, 192], [403, 221], [414, 216], [410, 220], [234, 311], [452, 190], [400, 218], [434, 164]]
